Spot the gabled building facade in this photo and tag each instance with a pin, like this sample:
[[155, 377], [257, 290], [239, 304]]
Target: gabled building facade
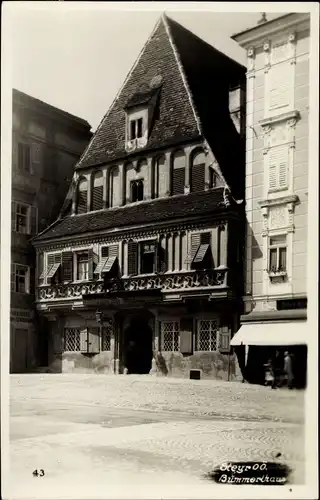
[[277, 166], [143, 269], [46, 143]]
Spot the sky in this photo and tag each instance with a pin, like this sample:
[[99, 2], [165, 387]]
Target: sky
[[77, 58]]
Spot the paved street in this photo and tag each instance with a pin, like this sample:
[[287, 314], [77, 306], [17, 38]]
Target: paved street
[[143, 430]]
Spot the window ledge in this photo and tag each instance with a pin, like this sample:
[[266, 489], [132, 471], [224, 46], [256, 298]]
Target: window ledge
[[279, 201], [271, 120]]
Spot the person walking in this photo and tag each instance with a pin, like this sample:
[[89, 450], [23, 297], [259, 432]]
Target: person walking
[[288, 369], [277, 367]]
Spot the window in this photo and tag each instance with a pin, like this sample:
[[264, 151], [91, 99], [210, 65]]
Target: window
[[147, 256], [278, 254], [136, 190], [82, 266], [97, 191], [207, 335], [72, 339], [106, 338], [82, 196], [22, 218], [278, 167], [109, 255], [201, 250], [170, 335], [197, 174], [136, 128], [178, 173], [19, 278], [24, 157]]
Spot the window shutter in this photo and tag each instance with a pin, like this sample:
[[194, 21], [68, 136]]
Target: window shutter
[[224, 340], [272, 176], [186, 327], [94, 340], [283, 174], [278, 166], [67, 266], [160, 258], [33, 220], [13, 215], [84, 340], [50, 260], [57, 258], [97, 198], [113, 250], [178, 180], [279, 86], [195, 243], [197, 178], [105, 252], [132, 257], [92, 262]]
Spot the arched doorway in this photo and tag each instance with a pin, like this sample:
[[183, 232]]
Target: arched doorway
[[138, 346]]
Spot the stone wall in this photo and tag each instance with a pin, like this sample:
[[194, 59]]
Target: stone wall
[[213, 365]]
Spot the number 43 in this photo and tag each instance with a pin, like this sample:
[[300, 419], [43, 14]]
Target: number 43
[[38, 473]]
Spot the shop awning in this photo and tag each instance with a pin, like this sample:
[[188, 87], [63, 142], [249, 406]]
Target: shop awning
[[272, 334]]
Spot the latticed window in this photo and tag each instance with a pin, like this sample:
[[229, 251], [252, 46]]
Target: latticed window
[[72, 339], [170, 335], [106, 338], [208, 335]]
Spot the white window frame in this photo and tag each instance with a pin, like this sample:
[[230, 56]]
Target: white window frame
[[77, 331], [77, 254], [277, 247], [217, 330], [175, 330], [140, 245], [14, 268], [27, 216]]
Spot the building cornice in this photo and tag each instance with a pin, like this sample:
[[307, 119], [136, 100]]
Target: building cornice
[[134, 232], [257, 35]]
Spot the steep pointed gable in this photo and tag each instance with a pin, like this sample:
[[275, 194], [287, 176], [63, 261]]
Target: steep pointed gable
[[175, 117], [209, 75]]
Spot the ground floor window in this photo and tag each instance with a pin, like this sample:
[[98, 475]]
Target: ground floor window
[[207, 335], [106, 339], [170, 335], [72, 339]]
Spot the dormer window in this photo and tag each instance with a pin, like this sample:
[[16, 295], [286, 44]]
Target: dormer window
[[136, 190], [136, 128], [140, 113]]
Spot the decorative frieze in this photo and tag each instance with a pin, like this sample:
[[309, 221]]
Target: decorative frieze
[[164, 282]]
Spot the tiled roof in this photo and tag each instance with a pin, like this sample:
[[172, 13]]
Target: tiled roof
[[161, 209], [181, 60], [25, 100]]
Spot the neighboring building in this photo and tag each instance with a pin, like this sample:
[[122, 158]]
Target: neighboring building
[[276, 191], [151, 240], [46, 144]]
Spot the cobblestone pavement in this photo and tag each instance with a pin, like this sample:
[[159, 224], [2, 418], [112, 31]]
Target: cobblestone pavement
[[111, 431]]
